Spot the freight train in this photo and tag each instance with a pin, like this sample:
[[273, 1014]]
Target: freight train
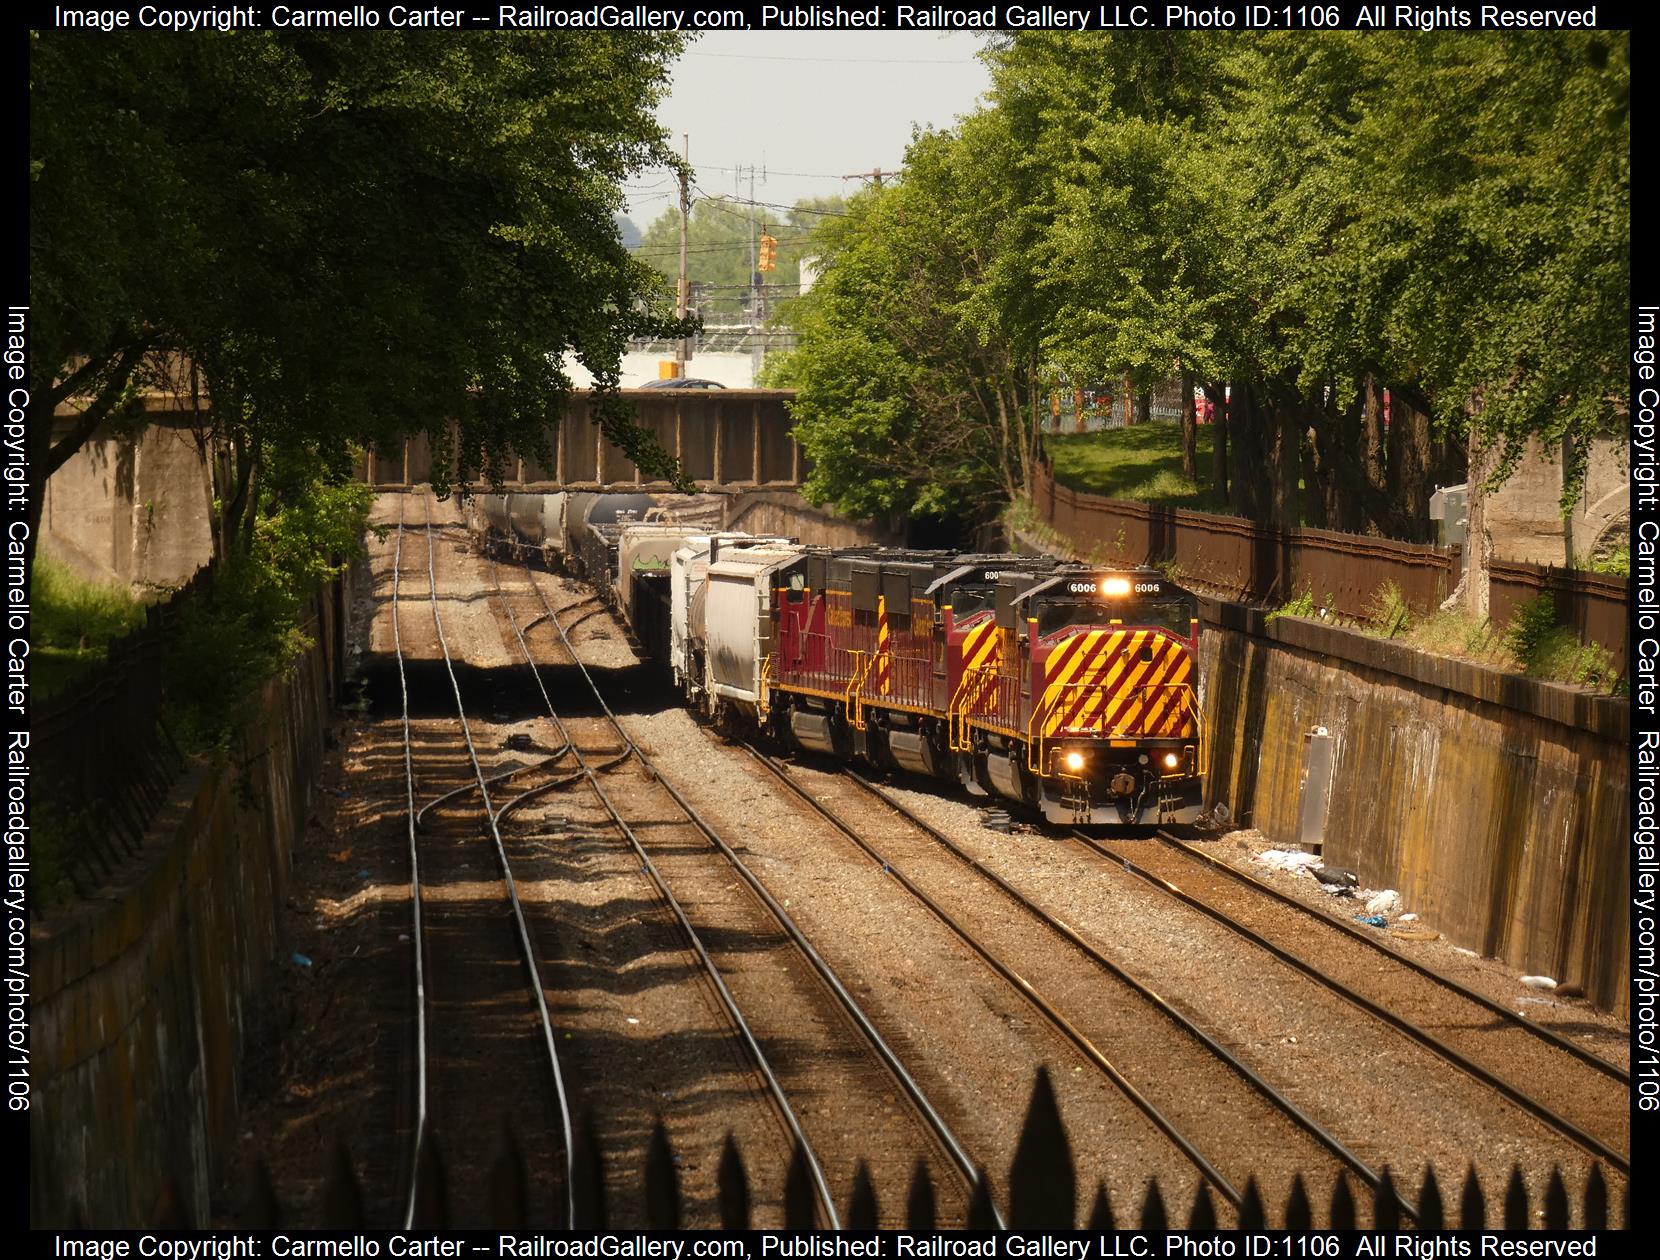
[[1069, 688]]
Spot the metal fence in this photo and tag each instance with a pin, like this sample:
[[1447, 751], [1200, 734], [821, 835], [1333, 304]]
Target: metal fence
[[102, 759], [1043, 1192], [1344, 572]]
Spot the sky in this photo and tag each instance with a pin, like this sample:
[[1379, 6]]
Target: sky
[[808, 106]]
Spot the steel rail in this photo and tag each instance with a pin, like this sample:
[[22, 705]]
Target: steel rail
[[522, 927], [1424, 1038], [417, 935], [467, 789], [1021, 985], [775, 1088], [1296, 1114], [895, 1066], [1548, 1035], [564, 780]]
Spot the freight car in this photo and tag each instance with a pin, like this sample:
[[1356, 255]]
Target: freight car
[[584, 535]]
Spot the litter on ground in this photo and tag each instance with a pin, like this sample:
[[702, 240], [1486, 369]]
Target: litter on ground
[[1288, 860], [1539, 982], [1385, 902], [1372, 920]]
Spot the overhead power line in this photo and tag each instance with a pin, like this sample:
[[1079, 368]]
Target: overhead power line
[[774, 205]]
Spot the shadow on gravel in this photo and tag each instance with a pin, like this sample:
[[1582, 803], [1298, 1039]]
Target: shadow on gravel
[[506, 693]]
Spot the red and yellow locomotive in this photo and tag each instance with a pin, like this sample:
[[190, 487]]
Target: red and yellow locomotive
[[1066, 687]]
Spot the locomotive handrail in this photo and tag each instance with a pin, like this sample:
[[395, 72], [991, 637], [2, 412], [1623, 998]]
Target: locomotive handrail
[[862, 663], [959, 726]]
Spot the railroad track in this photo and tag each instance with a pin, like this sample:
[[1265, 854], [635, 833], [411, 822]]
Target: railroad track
[[1371, 941], [1139, 998], [1231, 916], [480, 1043], [660, 843]]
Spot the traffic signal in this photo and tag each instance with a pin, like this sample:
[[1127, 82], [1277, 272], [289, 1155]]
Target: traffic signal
[[769, 250]]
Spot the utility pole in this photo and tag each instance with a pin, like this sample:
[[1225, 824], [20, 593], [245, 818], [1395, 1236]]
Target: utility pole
[[754, 290], [682, 292], [875, 176]]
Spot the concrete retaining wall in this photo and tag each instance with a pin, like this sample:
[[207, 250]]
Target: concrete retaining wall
[[130, 509], [1498, 806], [786, 514], [142, 993]]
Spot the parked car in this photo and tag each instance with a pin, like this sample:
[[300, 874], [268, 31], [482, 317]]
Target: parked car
[[681, 382]]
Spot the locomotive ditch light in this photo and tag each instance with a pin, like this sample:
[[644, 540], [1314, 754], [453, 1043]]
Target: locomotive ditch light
[[1115, 586], [1074, 761], [1171, 761]]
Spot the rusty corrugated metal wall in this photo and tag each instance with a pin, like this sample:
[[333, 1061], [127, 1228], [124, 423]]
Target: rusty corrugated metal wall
[[1250, 562]]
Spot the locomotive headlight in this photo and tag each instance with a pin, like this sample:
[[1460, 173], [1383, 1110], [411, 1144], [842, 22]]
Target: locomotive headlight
[[1171, 761], [1074, 761], [1115, 586]]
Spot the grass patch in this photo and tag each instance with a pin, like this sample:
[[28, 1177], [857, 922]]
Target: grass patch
[[1532, 643], [73, 621], [1297, 606], [1544, 649], [1142, 462], [1616, 561]]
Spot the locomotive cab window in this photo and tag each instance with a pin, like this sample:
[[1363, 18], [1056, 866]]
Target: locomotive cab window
[[1172, 615], [968, 601], [796, 589]]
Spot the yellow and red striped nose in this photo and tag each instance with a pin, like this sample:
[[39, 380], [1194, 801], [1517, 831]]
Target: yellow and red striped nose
[[1119, 682], [884, 669], [981, 646]]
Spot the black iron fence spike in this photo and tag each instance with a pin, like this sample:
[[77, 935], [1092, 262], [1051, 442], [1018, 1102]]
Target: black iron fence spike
[[1252, 1214], [732, 1182], [800, 1203], [1100, 1211], [862, 1210], [1386, 1204], [1431, 1210], [1596, 1200], [662, 1181], [1557, 1212], [1042, 1192], [980, 1212], [1299, 1214], [1472, 1203], [1154, 1219], [1342, 1203], [1203, 1216], [921, 1212], [588, 1191], [1515, 1200]]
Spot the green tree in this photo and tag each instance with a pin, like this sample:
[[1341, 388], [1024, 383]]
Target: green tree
[[909, 396], [350, 237]]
